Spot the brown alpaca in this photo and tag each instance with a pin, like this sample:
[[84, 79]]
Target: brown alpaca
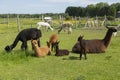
[[53, 39], [96, 45], [40, 51]]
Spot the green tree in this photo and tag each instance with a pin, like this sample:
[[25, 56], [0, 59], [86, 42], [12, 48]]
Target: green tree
[[102, 8], [91, 10], [117, 6], [112, 11]]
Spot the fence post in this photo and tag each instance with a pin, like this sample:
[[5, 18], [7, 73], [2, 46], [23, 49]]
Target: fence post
[[4, 20], [42, 18], [8, 20], [105, 21], [18, 23], [75, 22], [60, 19]]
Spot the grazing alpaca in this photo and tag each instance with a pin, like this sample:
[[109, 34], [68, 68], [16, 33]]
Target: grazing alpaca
[[97, 45], [64, 25], [60, 52], [40, 51], [83, 47], [53, 39], [45, 25], [24, 36]]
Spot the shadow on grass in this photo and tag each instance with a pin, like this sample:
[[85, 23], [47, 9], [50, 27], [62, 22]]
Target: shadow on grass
[[108, 57], [72, 58], [81, 77]]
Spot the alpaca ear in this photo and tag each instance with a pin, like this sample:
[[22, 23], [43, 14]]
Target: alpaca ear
[[47, 42]]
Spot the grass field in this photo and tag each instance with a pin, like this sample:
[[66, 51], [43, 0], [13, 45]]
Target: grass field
[[16, 65]]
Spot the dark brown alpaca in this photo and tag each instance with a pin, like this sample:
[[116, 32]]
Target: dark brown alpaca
[[83, 47], [60, 52], [96, 45]]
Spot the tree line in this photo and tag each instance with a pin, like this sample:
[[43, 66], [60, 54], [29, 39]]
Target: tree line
[[53, 15], [92, 10]]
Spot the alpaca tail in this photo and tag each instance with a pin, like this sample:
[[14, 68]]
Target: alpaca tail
[[9, 48]]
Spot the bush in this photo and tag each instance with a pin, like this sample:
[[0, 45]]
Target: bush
[[110, 18]]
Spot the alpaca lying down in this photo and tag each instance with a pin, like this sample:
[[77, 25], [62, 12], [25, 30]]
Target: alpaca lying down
[[40, 51]]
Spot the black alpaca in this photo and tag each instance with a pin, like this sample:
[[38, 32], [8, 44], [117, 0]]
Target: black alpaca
[[60, 52], [83, 47], [24, 36]]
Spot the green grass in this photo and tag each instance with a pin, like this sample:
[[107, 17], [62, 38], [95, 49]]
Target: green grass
[[17, 66]]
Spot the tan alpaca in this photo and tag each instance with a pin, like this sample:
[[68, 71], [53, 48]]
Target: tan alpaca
[[40, 51]]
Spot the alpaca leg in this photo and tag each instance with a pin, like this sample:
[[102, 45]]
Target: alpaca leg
[[85, 54], [64, 29], [47, 28], [24, 45], [38, 42], [80, 55], [51, 28], [59, 30], [52, 46]]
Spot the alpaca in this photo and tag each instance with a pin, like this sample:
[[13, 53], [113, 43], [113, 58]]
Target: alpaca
[[45, 25], [40, 51], [60, 52], [24, 36], [83, 47], [52, 40], [64, 25], [97, 45]]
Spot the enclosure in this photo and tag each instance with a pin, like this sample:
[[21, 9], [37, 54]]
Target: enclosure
[[22, 65]]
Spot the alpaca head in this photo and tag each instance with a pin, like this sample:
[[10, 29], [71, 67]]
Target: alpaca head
[[34, 42], [80, 38], [112, 29], [8, 48]]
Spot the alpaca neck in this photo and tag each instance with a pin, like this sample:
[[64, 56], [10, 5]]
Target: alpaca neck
[[107, 38], [36, 47], [57, 49]]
